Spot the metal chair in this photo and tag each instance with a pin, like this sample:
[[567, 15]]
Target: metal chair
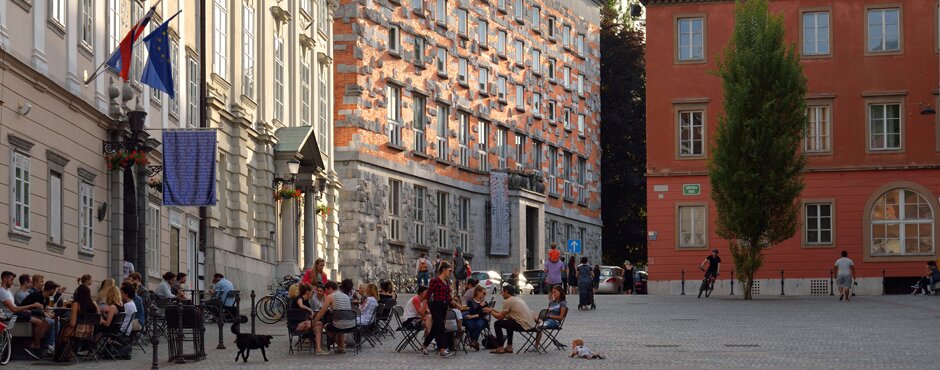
[[409, 335], [112, 338], [531, 334], [184, 324], [294, 317], [552, 335], [384, 318], [457, 334], [86, 340], [370, 333], [340, 316]]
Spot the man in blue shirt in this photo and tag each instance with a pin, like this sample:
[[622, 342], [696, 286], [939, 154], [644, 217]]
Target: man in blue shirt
[[222, 287]]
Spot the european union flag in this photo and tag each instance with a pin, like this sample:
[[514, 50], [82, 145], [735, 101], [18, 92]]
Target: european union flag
[[158, 73]]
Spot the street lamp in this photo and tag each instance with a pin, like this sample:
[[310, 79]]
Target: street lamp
[[293, 167]]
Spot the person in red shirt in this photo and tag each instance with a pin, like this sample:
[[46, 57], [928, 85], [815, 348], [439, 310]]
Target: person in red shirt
[[315, 276], [440, 299]]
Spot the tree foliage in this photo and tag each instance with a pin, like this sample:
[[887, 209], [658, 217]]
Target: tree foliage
[[756, 167], [623, 137]]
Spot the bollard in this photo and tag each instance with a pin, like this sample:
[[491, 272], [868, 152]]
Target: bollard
[[154, 340], [884, 283], [781, 282], [220, 320], [253, 312], [683, 282], [830, 284], [179, 335], [732, 282]]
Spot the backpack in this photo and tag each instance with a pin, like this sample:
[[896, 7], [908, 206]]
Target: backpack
[[489, 342]]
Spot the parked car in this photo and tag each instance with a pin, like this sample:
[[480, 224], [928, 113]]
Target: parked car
[[611, 280], [489, 280], [536, 278], [522, 285], [639, 282]]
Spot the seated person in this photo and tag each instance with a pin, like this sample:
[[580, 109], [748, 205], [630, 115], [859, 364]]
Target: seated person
[[368, 305], [416, 315], [164, 289], [557, 310], [468, 290], [40, 326], [299, 302], [515, 316], [387, 293], [453, 326], [475, 320], [41, 296], [26, 284], [128, 293], [113, 305], [222, 288], [335, 300]]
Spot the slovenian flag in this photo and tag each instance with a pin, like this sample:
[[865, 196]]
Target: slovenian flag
[[120, 59]]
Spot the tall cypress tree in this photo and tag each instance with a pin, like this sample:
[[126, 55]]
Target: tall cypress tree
[[756, 168]]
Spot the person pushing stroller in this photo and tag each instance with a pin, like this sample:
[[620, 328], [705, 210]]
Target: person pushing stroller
[[585, 275]]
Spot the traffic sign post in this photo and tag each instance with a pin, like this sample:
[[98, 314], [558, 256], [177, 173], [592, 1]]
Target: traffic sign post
[[574, 246]]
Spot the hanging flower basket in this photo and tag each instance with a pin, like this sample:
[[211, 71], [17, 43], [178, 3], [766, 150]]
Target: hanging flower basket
[[156, 184], [323, 210], [286, 193], [125, 158]]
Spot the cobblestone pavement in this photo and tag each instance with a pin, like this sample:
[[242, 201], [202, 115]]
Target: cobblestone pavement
[[659, 332]]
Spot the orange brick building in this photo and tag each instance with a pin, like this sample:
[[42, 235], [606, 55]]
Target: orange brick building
[[872, 144], [433, 96]]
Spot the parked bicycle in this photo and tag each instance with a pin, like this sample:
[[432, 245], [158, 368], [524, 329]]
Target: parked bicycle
[[404, 283], [6, 339], [272, 307]]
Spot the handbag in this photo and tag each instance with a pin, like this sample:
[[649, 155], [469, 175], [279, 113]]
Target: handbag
[[489, 342], [83, 330]]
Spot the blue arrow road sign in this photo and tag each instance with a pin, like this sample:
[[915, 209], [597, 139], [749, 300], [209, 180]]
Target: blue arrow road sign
[[574, 246]]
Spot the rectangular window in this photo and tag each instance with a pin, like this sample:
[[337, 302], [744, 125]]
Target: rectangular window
[[566, 118], [884, 126], [519, 9], [305, 6], [537, 104], [441, 60], [484, 79], [501, 42], [520, 97], [325, 21], [536, 61], [442, 211], [57, 11], [114, 24], [501, 5], [552, 160], [86, 217], [519, 49], [691, 134], [553, 233], [420, 104], [551, 110], [137, 66], [248, 50], [420, 46], [566, 36], [175, 70], [520, 152], [884, 30], [579, 44], [153, 239], [566, 165], [278, 78], [502, 147], [87, 23], [483, 33], [305, 91], [463, 224], [55, 207], [692, 227], [462, 21], [420, 194], [463, 138], [462, 70], [324, 97], [393, 114], [443, 122], [691, 39], [536, 18], [580, 124], [816, 33], [155, 95], [192, 92], [582, 171], [566, 77], [551, 27], [537, 155], [551, 69], [818, 129], [501, 88], [394, 209], [220, 38], [441, 13], [581, 85], [393, 39], [818, 223], [483, 156], [417, 5]]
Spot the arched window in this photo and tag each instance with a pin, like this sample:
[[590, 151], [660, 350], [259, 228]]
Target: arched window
[[901, 224]]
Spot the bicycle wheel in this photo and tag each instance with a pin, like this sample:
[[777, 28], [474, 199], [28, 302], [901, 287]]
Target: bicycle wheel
[[709, 289], [277, 309], [262, 310], [6, 347], [703, 287]]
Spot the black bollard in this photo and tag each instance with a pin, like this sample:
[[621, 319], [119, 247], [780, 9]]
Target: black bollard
[[830, 284], [683, 282], [220, 320], [732, 282], [154, 340], [781, 282], [253, 312], [179, 334]]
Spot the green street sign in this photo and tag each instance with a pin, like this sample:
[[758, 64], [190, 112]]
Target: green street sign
[[691, 189]]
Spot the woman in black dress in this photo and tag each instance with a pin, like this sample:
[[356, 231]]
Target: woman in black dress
[[572, 275], [627, 277]]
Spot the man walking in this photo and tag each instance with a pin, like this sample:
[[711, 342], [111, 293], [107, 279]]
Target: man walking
[[423, 269], [554, 271], [845, 272]]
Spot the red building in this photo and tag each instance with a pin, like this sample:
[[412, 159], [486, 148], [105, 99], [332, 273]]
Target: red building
[[872, 141]]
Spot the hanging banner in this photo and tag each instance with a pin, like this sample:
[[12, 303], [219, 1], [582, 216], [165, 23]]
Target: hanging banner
[[499, 213], [189, 167]]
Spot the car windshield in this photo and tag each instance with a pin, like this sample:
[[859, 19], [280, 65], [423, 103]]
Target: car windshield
[[607, 271], [480, 275]]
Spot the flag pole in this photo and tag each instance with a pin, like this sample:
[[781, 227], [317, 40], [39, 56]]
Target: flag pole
[[99, 70]]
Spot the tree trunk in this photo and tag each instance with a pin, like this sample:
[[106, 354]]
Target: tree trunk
[[749, 283]]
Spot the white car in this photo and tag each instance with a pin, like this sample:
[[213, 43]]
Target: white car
[[490, 280], [522, 285]]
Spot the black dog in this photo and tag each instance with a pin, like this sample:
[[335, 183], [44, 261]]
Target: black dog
[[248, 342]]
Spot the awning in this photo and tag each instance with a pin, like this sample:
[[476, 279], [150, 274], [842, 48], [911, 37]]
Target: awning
[[302, 142]]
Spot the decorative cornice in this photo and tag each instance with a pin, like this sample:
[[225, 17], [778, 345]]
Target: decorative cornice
[[87, 175], [56, 158], [20, 143]]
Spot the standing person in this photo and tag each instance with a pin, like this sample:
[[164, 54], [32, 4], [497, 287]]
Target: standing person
[[40, 326], [596, 280], [554, 272], [585, 275], [845, 272], [460, 271], [627, 278], [437, 261], [315, 276], [439, 300], [572, 274], [515, 316], [423, 270]]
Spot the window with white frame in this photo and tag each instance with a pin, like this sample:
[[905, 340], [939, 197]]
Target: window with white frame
[[502, 147], [248, 49], [175, 71], [324, 108], [501, 5], [579, 44], [519, 49], [442, 211], [520, 97], [519, 9], [520, 151], [192, 92], [153, 239], [816, 33], [306, 112], [394, 39], [418, 121], [501, 88], [536, 18], [305, 6], [501, 42], [537, 155], [902, 223], [420, 194], [420, 46], [551, 110], [443, 114], [55, 207], [484, 79], [441, 60], [884, 125], [566, 36], [566, 118], [536, 61], [114, 25], [581, 85], [462, 70], [156, 96], [441, 13], [463, 224], [691, 39], [552, 169], [463, 138], [278, 77], [137, 64], [86, 18], [818, 223], [818, 129], [551, 27], [884, 30], [580, 124], [692, 227], [417, 5], [324, 21], [566, 77], [483, 154], [483, 33], [393, 114], [691, 134], [551, 69], [462, 21], [86, 217], [57, 11], [394, 209], [220, 38], [537, 104]]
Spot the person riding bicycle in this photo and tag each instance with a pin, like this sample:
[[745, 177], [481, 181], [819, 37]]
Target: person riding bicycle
[[713, 262]]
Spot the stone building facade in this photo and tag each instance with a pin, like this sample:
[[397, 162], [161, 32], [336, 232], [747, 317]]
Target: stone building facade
[[433, 96]]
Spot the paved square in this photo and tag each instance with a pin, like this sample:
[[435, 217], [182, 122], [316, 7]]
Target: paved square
[[661, 332]]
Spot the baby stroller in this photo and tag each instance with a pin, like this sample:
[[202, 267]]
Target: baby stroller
[[586, 296]]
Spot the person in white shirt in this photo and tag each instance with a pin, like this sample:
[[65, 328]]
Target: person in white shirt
[[130, 309], [578, 349], [164, 289], [40, 326], [26, 285], [845, 273]]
